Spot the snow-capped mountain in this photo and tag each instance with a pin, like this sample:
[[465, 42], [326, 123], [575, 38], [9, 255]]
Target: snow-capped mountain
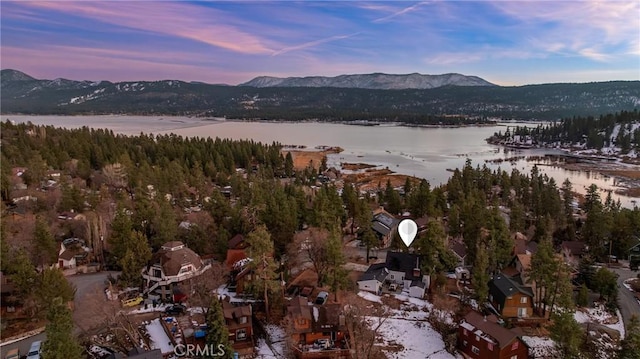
[[375, 81]]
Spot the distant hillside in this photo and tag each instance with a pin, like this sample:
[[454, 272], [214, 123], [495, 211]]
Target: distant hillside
[[24, 94], [377, 81]]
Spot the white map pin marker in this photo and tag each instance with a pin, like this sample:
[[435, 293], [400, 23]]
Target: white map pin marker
[[408, 230]]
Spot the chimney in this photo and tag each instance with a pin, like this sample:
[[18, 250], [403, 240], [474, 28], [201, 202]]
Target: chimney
[[416, 270]]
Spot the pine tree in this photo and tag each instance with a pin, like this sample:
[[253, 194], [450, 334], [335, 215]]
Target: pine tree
[[121, 230], [582, 299], [567, 334], [136, 256], [60, 343], [217, 332], [479, 275], [45, 244], [261, 251], [337, 276], [630, 345]]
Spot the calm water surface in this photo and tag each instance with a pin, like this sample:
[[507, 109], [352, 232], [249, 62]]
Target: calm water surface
[[423, 152]]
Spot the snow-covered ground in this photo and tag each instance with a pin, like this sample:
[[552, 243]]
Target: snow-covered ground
[[224, 291], [600, 315], [159, 338], [408, 327], [417, 338], [277, 337], [541, 347]]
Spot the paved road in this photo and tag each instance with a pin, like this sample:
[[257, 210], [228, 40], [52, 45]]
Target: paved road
[[628, 304], [88, 285], [23, 345]]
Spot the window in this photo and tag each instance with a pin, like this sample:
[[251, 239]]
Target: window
[[464, 343], [465, 332], [514, 357], [514, 346], [523, 300], [392, 276], [242, 320], [489, 346], [241, 334], [475, 350], [477, 338]]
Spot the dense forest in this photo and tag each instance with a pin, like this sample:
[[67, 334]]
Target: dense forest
[[620, 130]]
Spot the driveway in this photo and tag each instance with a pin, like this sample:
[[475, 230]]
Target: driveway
[[628, 304], [91, 307]]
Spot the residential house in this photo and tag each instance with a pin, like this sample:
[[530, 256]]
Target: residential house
[[240, 325], [237, 242], [373, 279], [172, 265], [459, 250], [384, 224], [510, 297], [480, 337], [404, 269], [72, 252], [317, 331], [572, 251]]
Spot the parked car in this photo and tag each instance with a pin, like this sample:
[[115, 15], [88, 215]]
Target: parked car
[[35, 350], [322, 344], [176, 309], [132, 302], [322, 298], [13, 354]]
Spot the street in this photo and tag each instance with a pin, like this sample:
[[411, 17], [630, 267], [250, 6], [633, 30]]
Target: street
[[628, 304], [89, 296], [23, 345]]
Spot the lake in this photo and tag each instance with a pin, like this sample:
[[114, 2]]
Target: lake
[[428, 153]]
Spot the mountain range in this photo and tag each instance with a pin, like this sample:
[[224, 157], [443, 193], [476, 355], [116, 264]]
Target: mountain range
[[376, 81], [381, 97]]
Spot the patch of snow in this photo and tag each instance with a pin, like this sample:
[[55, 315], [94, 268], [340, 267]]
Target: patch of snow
[[223, 291], [619, 326], [316, 314], [150, 309], [418, 339], [369, 296], [264, 352], [159, 337], [541, 347]]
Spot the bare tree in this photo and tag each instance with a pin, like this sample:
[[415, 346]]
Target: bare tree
[[202, 287], [363, 325]]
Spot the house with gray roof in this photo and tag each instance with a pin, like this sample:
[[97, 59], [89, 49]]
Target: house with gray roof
[[510, 297], [373, 279]]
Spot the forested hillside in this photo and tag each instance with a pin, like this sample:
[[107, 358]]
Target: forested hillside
[[24, 94], [617, 133]]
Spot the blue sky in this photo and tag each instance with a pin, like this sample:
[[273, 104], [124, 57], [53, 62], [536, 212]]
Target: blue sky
[[504, 42]]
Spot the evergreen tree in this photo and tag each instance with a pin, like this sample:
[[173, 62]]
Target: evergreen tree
[[630, 345], [261, 250], [337, 276], [544, 271], [479, 275], [136, 256], [121, 230], [582, 299], [23, 273], [217, 332], [45, 244], [51, 285], [567, 334], [60, 343]]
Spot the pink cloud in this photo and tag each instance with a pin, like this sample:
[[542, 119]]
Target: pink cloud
[[182, 20]]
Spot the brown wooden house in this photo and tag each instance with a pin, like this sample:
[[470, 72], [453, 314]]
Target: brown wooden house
[[510, 297], [480, 337], [317, 331], [240, 326]]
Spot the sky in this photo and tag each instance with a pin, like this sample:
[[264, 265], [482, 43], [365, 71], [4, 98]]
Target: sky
[[508, 43]]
